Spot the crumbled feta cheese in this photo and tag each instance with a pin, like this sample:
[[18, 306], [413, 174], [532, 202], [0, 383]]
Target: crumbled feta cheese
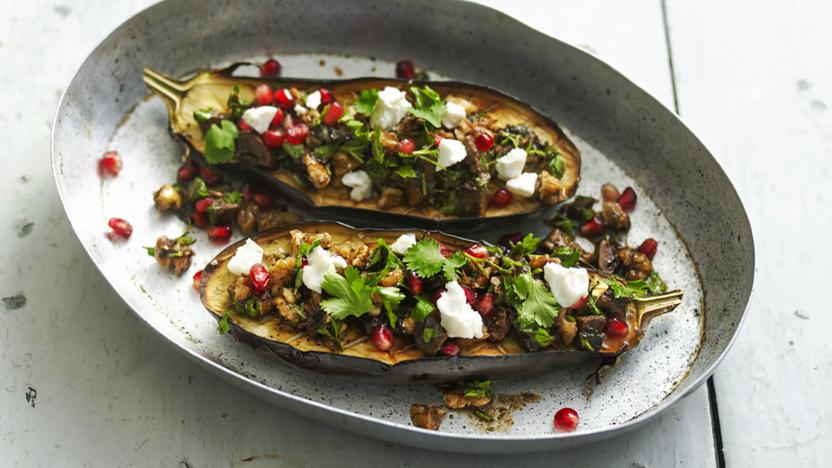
[[511, 165], [300, 110], [523, 185], [360, 183], [457, 317], [404, 242], [450, 152], [319, 263], [454, 113], [568, 285], [259, 118], [391, 107], [246, 256], [313, 100]]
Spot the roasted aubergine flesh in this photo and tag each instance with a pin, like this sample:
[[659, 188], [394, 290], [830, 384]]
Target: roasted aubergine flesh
[[392, 297], [430, 150]]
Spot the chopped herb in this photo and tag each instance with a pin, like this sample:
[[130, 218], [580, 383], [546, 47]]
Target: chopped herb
[[590, 301], [477, 389], [366, 101], [390, 299], [428, 334], [378, 148], [406, 172], [333, 332], [15, 302], [197, 189], [425, 259], [538, 304], [222, 326], [355, 149], [427, 105], [220, 142], [655, 283], [543, 338], [25, 230], [568, 256], [233, 197], [351, 294], [557, 166], [509, 138], [585, 343], [564, 224], [294, 151], [635, 288], [482, 415], [422, 310], [304, 250], [324, 152], [151, 251], [526, 246]]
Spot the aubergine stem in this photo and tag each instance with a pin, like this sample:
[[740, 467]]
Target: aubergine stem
[[650, 307]]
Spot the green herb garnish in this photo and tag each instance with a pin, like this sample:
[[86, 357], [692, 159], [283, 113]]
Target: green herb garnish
[[294, 151], [568, 256], [222, 326], [366, 101], [538, 304], [422, 310], [351, 294], [425, 259], [220, 142], [427, 105], [477, 389]]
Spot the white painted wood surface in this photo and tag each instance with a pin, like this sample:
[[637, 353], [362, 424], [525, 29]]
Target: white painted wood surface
[[110, 393], [754, 81]]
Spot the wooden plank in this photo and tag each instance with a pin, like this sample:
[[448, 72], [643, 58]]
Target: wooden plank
[[106, 391], [753, 81]]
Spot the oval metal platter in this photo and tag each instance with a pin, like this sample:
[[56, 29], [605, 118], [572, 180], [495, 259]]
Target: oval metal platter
[[625, 136]]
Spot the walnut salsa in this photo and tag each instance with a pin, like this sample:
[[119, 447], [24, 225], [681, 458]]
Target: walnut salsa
[[433, 150], [398, 295]]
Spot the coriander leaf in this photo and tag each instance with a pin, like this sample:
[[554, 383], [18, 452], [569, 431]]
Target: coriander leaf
[[324, 152], [509, 138], [222, 326], [557, 166], [351, 294], [539, 305], [294, 151], [590, 301], [477, 389], [655, 283], [406, 172], [568, 256], [631, 289], [428, 105], [197, 189], [390, 299], [220, 142], [233, 197], [424, 258], [564, 224], [422, 309], [355, 149], [366, 101], [526, 246], [451, 264]]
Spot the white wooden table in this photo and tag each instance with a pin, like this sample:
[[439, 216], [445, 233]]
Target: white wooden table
[[83, 384]]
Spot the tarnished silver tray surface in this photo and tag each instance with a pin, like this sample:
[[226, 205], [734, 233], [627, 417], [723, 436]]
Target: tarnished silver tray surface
[[625, 136]]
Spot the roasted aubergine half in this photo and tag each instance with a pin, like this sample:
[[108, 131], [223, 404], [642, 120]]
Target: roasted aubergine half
[[398, 306], [416, 153]]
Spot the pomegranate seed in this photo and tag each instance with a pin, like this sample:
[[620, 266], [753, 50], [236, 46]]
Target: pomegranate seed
[[198, 281], [436, 139], [579, 303], [406, 146], [209, 176], [414, 283], [477, 251], [297, 134], [263, 94], [273, 138], [219, 234], [244, 126], [438, 293], [121, 227], [501, 198], [270, 68], [470, 295], [303, 264], [628, 199], [199, 219], [566, 420], [261, 200], [449, 349], [326, 96], [615, 327], [110, 163], [202, 205], [260, 278], [245, 192], [609, 192], [333, 113], [382, 337], [593, 227], [187, 171], [508, 239], [284, 98], [484, 142], [405, 70], [278, 118], [485, 305], [446, 252], [648, 247]]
